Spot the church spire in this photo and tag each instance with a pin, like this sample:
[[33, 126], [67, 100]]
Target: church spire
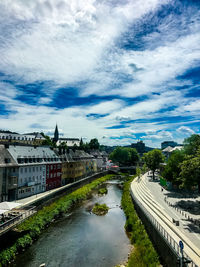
[[56, 134]]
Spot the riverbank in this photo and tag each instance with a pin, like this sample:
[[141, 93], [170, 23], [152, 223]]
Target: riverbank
[[143, 253], [32, 228]]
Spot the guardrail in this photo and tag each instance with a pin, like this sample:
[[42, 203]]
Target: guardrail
[[172, 243], [17, 219]]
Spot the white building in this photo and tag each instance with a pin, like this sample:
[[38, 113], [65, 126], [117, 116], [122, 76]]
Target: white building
[[70, 142]]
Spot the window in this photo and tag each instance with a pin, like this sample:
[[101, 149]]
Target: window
[[51, 167], [25, 169], [40, 168], [29, 169], [29, 179], [33, 169], [13, 169], [36, 169]]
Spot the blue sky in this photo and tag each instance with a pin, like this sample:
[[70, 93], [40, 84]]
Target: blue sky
[[116, 70]]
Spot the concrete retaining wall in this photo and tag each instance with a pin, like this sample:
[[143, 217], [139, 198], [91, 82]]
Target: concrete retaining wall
[[65, 190], [166, 252]]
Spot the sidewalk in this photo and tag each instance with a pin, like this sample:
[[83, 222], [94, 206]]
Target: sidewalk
[[191, 230], [32, 199], [172, 225]]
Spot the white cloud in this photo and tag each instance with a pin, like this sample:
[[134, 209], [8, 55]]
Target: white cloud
[[72, 41], [185, 130]]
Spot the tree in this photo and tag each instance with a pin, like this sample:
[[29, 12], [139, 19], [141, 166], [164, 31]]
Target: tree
[[138, 172], [173, 168], [192, 144], [153, 159], [47, 141], [134, 156], [94, 143], [190, 171], [124, 156]]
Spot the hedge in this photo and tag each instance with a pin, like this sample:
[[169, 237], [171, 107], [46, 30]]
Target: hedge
[[143, 253]]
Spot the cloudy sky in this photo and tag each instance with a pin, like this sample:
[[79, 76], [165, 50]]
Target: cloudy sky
[[118, 70]]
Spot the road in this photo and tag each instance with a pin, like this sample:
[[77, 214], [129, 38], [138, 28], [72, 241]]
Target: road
[[151, 199]]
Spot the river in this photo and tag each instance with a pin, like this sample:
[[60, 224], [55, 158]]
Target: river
[[82, 239]]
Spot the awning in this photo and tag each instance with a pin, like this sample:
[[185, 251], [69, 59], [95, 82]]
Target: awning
[[8, 205]]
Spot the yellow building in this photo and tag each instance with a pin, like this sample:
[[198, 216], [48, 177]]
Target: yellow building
[[77, 165]]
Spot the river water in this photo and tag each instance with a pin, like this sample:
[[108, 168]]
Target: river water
[[82, 238]]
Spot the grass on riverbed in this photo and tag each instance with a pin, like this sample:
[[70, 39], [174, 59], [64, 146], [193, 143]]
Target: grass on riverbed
[[143, 254], [100, 209], [103, 191], [33, 226]]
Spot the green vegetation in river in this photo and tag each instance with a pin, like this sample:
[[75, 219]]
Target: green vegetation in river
[[100, 209], [103, 191], [33, 226], [143, 253]]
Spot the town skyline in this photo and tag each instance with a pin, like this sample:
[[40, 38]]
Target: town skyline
[[118, 71]]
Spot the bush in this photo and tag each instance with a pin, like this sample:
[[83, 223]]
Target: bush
[[103, 191], [100, 209]]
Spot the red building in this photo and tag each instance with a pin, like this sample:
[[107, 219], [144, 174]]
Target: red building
[[53, 175]]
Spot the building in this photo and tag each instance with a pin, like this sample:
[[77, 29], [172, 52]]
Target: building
[[101, 159], [168, 143], [7, 137], [53, 174], [70, 142], [27, 170], [141, 147], [76, 165], [8, 175], [168, 150]]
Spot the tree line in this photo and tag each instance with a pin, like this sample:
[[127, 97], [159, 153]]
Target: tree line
[[182, 168]]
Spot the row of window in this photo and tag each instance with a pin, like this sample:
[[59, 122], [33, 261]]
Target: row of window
[[35, 160], [31, 169], [28, 190], [53, 175], [53, 167], [32, 179], [9, 137]]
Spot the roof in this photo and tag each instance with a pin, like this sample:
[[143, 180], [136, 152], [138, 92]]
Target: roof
[[168, 149], [8, 205], [4, 154], [30, 152]]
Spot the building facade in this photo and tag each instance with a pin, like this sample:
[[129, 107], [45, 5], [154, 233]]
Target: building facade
[[24, 171], [15, 138], [53, 174]]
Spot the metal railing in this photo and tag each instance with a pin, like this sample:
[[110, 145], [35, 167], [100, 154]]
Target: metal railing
[[172, 243], [20, 216]]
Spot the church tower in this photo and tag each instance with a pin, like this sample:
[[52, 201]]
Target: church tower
[[56, 134]]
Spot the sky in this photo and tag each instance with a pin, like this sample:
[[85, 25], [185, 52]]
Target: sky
[[116, 70]]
